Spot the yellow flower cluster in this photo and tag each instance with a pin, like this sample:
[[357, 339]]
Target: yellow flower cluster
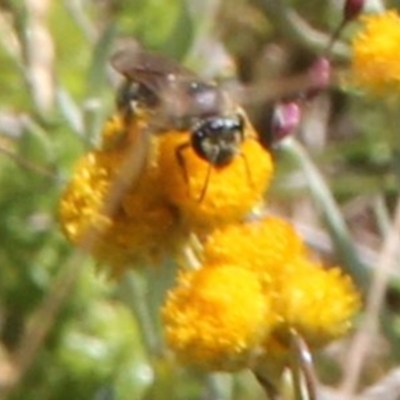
[[158, 209], [256, 286], [231, 191], [133, 201], [375, 63], [140, 228], [216, 316]]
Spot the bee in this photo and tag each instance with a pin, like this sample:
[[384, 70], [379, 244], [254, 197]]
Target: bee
[[175, 98]]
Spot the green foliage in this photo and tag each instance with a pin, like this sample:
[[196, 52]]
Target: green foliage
[[99, 345]]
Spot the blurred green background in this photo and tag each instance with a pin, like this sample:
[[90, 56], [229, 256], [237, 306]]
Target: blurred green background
[[67, 331]]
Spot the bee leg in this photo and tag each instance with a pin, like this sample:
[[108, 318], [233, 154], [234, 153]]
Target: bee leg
[[182, 164], [248, 172], [205, 186], [212, 162]]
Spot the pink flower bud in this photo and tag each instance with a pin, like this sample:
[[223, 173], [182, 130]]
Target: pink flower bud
[[320, 74], [352, 8], [285, 119]]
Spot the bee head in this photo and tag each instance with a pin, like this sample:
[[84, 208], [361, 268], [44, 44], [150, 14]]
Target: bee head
[[217, 139]]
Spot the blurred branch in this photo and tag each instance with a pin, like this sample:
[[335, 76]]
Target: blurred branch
[[13, 127], [26, 164], [219, 386], [382, 215], [331, 213], [204, 17], [9, 40], [39, 50], [70, 110], [387, 388], [302, 369], [42, 322], [132, 291], [76, 9], [291, 24], [318, 239], [31, 47], [369, 327]]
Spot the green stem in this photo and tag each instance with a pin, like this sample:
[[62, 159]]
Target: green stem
[[327, 205], [133, 293]]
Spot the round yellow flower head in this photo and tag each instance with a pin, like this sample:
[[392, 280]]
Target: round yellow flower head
[[114, 132], [230, 192], [83, 198], [216, 317], [263, 246], [318, 303], [140, 228], [376, 64]]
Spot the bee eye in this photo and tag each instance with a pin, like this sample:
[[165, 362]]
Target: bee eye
[[217, 139]]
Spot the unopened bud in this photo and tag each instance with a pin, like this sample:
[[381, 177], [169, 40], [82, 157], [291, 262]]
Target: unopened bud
[[285, 119], [320, 76], [352, 9]]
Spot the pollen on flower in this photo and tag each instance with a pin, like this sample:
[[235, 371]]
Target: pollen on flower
[[375, 63], [230, 192], [318, 303], [141, 227], [216, 316], [82, 201], [114, 132], [262, 246]]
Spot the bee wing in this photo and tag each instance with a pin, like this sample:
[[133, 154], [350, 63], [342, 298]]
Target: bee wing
[[182, 95], [152, 70]]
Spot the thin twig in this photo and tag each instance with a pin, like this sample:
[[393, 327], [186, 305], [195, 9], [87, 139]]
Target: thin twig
[[295, 27], [268, 387], [387, 388], [305, 381], [76, 9], [39, 51], [331, 213], [28, 165], [361, 342], [133, 291], [42, 322]]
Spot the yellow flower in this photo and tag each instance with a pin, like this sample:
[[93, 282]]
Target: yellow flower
[[231, 191], [82, 201], [216, 317], [263, 246], [305, 297], [114, 133], [376, 64], [318, 303], [141, 228]]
